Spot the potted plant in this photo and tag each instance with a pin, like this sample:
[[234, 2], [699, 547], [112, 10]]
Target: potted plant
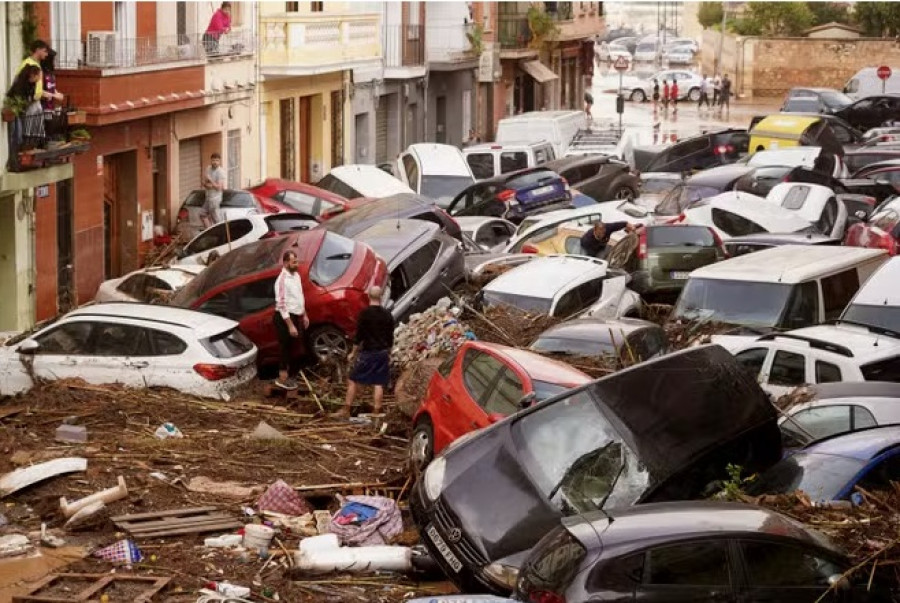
[[79, 135], [13, 107]]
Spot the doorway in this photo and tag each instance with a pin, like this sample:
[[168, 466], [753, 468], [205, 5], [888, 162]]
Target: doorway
[[305, 119], [66, 298], [160, 180], [440, 116], [119, 213]]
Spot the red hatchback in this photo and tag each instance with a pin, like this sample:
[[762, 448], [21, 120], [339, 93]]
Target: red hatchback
[[882, 231], [480, 385], [299, 197], [336, 273]]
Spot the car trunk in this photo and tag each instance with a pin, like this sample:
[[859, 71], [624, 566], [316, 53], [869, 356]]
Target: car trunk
[[674, 263]]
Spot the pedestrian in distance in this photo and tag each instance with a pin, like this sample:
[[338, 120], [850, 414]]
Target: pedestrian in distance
[[704, 93], [655, 94], [717, 87], [290, 318], [588, 104], [594, 243], [214, 183], [372, 353], [219, 24], [673, 90], [665, 96], [725, 95]]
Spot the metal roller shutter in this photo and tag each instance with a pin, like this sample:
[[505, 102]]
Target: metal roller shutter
[[381, 131], [190, 167]]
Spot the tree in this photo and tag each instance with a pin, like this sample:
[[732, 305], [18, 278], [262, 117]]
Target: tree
[[710, 14], [829, 12], [878, 19], [775, 19]]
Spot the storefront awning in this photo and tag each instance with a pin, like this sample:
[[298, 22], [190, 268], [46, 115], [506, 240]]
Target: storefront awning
[[540, 72]]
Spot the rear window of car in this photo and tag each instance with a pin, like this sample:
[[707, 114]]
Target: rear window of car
[[733, 224], [228, 344], [333, 259], [556, 559], [530, 179], [238, 199], [481, 164], [673, 236], [195, 199], [338, 187], [883, 370], [805, 104], [523, 302]]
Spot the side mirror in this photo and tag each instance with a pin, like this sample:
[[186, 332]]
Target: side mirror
[[28, 346], [527, 400], [495, 417]]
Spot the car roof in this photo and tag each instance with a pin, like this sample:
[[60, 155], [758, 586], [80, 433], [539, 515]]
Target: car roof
[[503, 146], [303, 187], [566, 162], [865, 345], [538, 367], [443, 159], [787, 263], [856, 389], [544, 277], [863, 444], [391, 238], [720, 175], [175, 275], [769, 215], [369, 177], [597, 329], [881, 289], [201, 323], [473, 222]]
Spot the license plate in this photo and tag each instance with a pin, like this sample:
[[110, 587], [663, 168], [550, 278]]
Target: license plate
[[455, 564], [543, 190], [680, 276]]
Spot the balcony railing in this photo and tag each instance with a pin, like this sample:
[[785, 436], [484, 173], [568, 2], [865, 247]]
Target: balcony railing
[[41, 139], [106, 50], [448, 43], [404, 45], [317, 41], [514, 32]]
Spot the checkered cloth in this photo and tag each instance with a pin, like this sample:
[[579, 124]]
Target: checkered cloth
[[123, 552], [281, 498]]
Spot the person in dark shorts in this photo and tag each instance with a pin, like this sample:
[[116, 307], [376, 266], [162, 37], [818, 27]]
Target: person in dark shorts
[[594, 242], [655, 93], [290, 317], [372, 348]]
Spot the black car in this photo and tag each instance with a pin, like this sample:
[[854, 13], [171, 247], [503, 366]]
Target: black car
[[628, 340], [871, 112], [403, 205], [661, 430], [695, 153], [857, 159], [815, 100], [514, 195], [745, 244], [690, 551], [600, 177]]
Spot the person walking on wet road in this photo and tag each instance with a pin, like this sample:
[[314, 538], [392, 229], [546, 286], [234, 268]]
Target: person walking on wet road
[[372, 349], [725, 95], [655, 94], [665, 95], [704, 93], [595, 242], [290, 318], [673, 91]]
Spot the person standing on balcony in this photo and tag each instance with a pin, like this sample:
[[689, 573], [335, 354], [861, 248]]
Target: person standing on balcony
[[19, 100], [48, 69], [218, 25], [214, 183], [39, 51]]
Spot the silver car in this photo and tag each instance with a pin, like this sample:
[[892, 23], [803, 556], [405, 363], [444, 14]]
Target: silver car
[[688, 85]]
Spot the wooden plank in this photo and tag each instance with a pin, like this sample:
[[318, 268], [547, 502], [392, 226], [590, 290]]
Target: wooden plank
[[154, 586], [191, 530], [169, 513], [161, 523]]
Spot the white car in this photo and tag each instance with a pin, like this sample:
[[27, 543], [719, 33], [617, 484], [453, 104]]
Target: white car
[[148, 284], [536, 223], [360, 180], [564, 286], [877, 303], [437, 171], [678, 55], [235, 204], [136, 345], [642, 89], [734, 213], [225, 236], [820, 354], [489, 234], [813, 202], [795, 157], [608, 52]]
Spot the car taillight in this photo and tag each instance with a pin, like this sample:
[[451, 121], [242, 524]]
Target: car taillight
[[642, 245], [183, 215], [677, 220], [506, 195], [530, 249], [543, 596], [723, 149], [214, 372]]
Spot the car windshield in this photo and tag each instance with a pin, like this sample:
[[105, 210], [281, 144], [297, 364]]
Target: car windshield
[[443, 189], [576, 458], [332, 260], [683, 197], [746, 303], [575, 347], [544, 390], [834, 99], [658, 186], [528, 303], [677, 236], [820, 476], [881, 317]]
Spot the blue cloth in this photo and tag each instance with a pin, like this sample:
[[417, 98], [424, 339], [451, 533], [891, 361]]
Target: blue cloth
[[372, 368], [582, 200]]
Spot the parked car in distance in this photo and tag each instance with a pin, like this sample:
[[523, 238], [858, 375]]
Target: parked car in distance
[[829, 409], [640, 90], [402, 206], [877, 303], [881, 231], [745, 244], [871, 112], [678, 55], [556, 127], [147, 284], [646, 51], [360, 180], [735, 213], [301, 198], [857, 159], [235, 204], [627, 340], [480, 385], [226, 236], [488, 233], [830, 469], [609, 52], [491, 159], [696, 153], [136, 345], [814, 100], [689, 551], [591, 449], [435, 171], [424, 264], [597, 176], [514, 196], [336, 273]]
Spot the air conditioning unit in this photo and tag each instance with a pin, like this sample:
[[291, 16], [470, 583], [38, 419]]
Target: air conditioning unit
[[102, 49]]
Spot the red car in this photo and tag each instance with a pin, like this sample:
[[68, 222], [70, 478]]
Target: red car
[[299, 197], [882, 231], [480, 385], [336, 273]]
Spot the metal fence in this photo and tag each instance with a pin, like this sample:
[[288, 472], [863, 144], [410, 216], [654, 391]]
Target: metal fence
[[404, 45], [36, 131], [514, 31]]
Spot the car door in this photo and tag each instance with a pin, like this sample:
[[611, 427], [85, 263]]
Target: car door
[[419, 281], [753, 360], [64, 352], [786, 372], [773, 572], [462, 408], [216, 237], [166, 364], [699, 570]]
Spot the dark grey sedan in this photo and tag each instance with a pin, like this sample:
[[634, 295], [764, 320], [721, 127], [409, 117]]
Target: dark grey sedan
[[629, 340]]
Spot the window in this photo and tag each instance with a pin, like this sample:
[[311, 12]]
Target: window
[[568, 304], [291, 7], [823, 421], [752, 360], [837, 291], [619, 575], [796, 197], [228, 344], [220, 305], [420, 262], [772, 564], [332, 260], [482, 164], [788, 369], [219, 235], [254, 297], [803, 308], [281, 223], [316, 7], [879, 478], [689, 564], [492, 234], [826, 221], [862, 418], [302, 202], [479, 370], [111, 339], [504, 399], [883, 370], [70, 338], [166, 344], [412, 171], [446, 366], [238, 199], [234, 159], [337, 186], [511, 161], [542, 156], [733, 224], [827, 372]]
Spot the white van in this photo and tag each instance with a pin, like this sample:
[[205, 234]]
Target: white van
[[557, 127], [436, 171], [492, 159], [867, 83], [877, 303]]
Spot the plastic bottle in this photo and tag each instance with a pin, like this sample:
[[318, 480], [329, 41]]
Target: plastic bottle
[[232, 590]]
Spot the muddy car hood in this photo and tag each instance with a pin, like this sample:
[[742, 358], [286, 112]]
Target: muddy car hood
[[670, 411]]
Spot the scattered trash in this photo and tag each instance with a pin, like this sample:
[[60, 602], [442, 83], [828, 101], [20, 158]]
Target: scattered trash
[[355, 524], [50, 588], [264, 431], [303, 525], [435, 332], [224, 588], [225, 541], [282, 498], [109, 495], [14, 544], [211, 596], [49, 539], [322, 554], [176, 522], [123, 552], [231, 489], [75, 434], [28, 476], [168, 430], [257, 536], [3, 520], [323, 521], [88, 517]]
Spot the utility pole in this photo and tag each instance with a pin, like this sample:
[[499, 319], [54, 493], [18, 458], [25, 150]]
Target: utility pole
[[721, 43]]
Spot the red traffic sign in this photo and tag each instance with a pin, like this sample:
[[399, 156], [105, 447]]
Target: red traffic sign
[[621, 64], [883, 72]]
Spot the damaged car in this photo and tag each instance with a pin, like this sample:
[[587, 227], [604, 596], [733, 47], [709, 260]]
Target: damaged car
[[661, 430]]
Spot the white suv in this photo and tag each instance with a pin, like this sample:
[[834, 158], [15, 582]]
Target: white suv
[[820, 354]]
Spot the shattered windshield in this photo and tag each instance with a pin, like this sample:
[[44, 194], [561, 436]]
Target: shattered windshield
[[576, 458], [745, 303], [684, 197]]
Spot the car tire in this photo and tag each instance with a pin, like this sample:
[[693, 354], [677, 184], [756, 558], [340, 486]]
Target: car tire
[[694, 95], [624, 192], [638, 96], [421, 445], [328, 342]]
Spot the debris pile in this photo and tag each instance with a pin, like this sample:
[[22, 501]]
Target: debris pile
[[434, 332], [507, 325], [687, 334]]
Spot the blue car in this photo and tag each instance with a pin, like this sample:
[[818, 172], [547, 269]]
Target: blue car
[[514, 196], [831, 468]]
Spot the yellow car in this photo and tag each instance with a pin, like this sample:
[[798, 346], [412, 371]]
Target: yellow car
[[564, 239], [785, 130]]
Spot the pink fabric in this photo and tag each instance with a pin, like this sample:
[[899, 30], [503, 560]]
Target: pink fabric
[[219, 23], [281, 498]]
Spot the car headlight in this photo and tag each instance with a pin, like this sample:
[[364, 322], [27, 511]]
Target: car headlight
[[502, 575], [434, 478]]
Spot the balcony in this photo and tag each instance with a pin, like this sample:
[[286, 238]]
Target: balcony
[[42, 140], [577, 20], [450, 45], [404, 51], [515, 36], [302, 44], [106, 52]]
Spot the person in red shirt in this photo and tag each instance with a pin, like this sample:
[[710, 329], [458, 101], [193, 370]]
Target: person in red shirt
[[665, 98], [674, 92], [218, 25]]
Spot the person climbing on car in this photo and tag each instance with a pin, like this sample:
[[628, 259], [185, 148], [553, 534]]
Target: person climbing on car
[[290, 316], [595, 242]]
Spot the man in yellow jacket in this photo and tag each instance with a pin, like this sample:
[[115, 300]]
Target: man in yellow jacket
[[39, 51]]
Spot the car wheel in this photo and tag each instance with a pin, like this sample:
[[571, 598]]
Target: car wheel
[[626, 193], [328, 342], [694, 95], [421, 445], [638, 96]]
